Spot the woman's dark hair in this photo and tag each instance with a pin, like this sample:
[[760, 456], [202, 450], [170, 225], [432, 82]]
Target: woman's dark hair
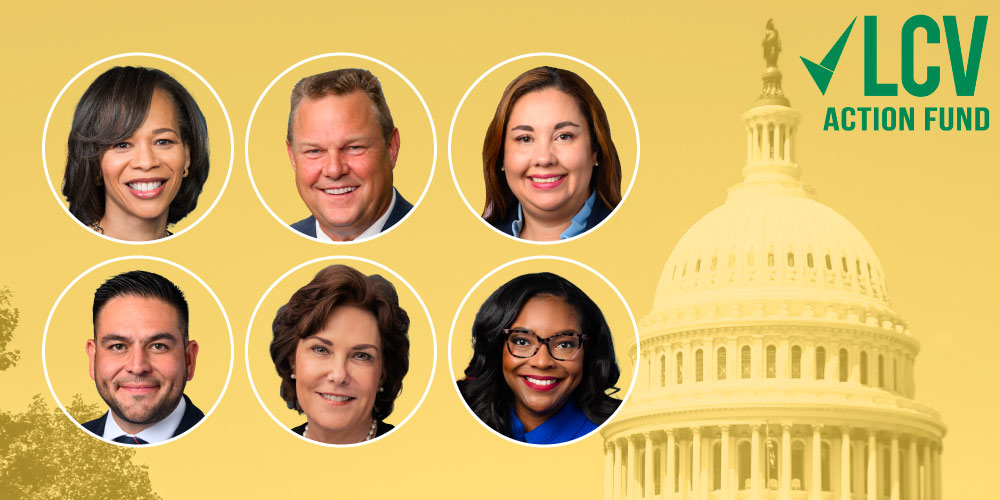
[[607, 176], [484, 388], [110, 111], [308, 310]]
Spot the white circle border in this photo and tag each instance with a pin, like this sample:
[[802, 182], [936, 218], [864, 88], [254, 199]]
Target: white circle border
[[229, 326], [229, 124], [454, 118], [430, 119], [461, 306], [427, 313]]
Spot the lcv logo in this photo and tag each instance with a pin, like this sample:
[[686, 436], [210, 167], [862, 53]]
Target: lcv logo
[[915, 31]]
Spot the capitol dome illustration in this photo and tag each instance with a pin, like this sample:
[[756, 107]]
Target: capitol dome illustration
[[773, 365]]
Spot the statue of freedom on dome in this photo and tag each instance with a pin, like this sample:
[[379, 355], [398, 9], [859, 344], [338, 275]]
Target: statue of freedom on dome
[[771, 44]]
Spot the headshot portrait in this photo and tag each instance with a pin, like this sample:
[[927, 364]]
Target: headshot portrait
[[141, 358], [543, 367], [550, 166], [137, 154], [341, 347], [343, 147]]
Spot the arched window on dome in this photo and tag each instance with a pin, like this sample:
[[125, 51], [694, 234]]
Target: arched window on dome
[[663, 370], [809, 260], [843, 263], [844, 366], [798, 465], [720, 364], [820, 363], [772, 354], [881, 371], [717, 471], [714, 260], [824, 454], [791, 259], [770, 259], [829, 263], [796, 362], [864, 367], [745, 362], [697, 265], [699, 365], [743, 465], [680, 368]]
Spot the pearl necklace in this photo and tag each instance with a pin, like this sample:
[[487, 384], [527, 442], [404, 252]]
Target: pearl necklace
[[371, 432]]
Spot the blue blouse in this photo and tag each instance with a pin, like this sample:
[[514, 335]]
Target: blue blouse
[[567, 424]]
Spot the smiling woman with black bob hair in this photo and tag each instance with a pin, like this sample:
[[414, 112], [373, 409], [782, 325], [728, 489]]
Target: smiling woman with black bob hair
[[543, 364], [137, 154]]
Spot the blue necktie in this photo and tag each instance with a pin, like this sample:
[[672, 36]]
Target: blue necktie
[[126, 439]]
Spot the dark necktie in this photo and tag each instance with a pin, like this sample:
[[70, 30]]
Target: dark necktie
[[124, 439]]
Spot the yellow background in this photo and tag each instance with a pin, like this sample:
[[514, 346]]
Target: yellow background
[[926, 201]]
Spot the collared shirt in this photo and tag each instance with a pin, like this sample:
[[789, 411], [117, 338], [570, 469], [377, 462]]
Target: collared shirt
[[567, 424], [372, 230], [156, 433], [577, 225]]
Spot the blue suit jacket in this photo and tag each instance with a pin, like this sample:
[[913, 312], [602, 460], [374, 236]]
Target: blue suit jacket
[[307, 226], [192, 415], [598, 213]]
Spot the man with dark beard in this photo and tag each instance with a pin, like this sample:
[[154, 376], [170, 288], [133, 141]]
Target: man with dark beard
[[141, 359]]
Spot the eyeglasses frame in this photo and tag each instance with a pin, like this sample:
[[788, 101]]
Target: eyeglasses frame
[[508, 331]]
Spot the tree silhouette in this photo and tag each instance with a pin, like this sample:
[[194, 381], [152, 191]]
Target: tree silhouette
[[44, 455], [8, 322]]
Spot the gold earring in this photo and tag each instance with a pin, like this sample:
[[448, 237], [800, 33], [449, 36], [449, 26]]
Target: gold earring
[[186, 171]]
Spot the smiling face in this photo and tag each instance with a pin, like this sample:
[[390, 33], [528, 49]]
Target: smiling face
[[139, 360], [548, 156], [541, 384], [143, 173], [337, 374], [343, 167]]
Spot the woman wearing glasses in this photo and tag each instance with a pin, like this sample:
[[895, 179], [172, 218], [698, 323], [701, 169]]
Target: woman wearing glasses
[[543, 364]]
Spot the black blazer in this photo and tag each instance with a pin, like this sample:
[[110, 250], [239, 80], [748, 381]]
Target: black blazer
[[598, 213], [192, 415], [307, 226]]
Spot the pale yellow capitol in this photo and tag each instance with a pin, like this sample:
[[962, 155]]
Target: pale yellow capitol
[[773, 364]]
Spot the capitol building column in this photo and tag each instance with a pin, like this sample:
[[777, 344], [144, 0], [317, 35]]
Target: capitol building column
[[912, 471], [617, 474], [755, 461], [872, 489], [845, 463], [894, 467], [668, 488], [927, 471], [696, 461], [724, 469], [609, 469], [786, 462], [631, 471], [816, 484], [647, 487]]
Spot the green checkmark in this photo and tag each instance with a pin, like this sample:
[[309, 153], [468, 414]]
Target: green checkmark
[[822, 73]]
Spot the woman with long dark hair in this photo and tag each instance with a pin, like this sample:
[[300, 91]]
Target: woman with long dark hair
[[543, 364]]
